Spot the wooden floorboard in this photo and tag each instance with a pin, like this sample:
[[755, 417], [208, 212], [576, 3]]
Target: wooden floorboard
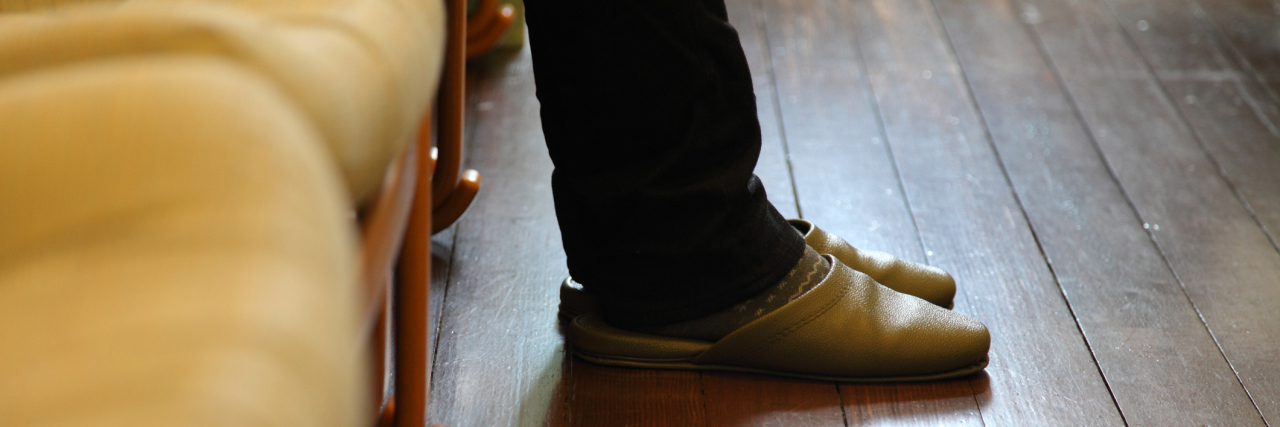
[[1222, 258], [1226, 107], [1248, 28], [971, 224], [755, 400], [1238, 14], [1160, 362], [499, 358], [605, 396], [940, 403], [1227, 113]]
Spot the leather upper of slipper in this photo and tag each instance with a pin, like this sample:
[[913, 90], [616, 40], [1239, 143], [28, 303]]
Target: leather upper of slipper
[[923, 281], [851, 326], [574, 301], [592, 334], [848, 326]]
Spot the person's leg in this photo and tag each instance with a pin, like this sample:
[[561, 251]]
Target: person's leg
[[650, 119], [649, 115]]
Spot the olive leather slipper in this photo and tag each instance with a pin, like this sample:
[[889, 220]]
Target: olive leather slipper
[[922, 281], [848, 328], [926, 282]]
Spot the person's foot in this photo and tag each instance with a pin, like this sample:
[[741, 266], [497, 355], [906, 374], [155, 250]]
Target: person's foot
[[846, 327], [926, 282], [805, 275]]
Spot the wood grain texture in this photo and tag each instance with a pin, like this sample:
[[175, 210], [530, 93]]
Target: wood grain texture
[[606, 396], [1239, 141], [1217, 251], [1249, 27], [1159, 361], [499, 358], [930, 404], [1230, 113], [755, 400], [971, 224], [1215, 20]]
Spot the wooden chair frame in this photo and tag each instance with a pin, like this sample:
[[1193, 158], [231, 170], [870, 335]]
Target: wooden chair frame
[[425, 192]]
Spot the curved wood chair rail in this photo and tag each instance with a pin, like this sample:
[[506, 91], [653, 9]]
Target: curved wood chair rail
[[476, 23], [382, 228], [486, 27], [451, 103], [400, 222]]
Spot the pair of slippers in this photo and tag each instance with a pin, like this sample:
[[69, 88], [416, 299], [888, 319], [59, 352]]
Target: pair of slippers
[[874, 318]]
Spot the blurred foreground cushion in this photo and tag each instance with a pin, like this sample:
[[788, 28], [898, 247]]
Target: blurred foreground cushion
[[176, 182]]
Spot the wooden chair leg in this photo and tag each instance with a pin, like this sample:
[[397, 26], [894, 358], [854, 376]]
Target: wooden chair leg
[[378, 377], [410, 293], [392, 228], [410, 300], [451, 104], [383, 227], [388, 416], [382, 231]]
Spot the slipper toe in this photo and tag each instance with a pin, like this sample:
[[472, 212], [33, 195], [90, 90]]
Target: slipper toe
[[922, 281]]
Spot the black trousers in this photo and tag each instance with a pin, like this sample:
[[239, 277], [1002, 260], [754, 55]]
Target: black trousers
[[650, 120]]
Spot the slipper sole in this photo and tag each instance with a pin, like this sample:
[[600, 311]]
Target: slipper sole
[[685, 365]]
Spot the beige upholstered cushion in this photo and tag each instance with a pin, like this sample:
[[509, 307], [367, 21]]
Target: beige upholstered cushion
[[363, 71], [176, 181]]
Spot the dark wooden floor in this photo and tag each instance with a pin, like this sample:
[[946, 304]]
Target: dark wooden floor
[[1101, 176]]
